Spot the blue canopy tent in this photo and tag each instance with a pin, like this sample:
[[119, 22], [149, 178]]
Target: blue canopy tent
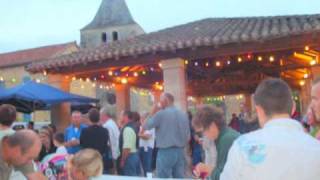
[[31, 96]]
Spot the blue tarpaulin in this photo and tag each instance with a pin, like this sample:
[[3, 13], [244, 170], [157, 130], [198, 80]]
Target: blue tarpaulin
[[31, 96]]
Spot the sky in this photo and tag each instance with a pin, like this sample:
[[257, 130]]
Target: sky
[[32, 23]]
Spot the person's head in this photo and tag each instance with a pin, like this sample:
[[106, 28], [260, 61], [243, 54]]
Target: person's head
[[94, 115], [85, 164], [31, 125], [273, 98], [104, 114], [166, 99], [210, 120], [76, 117], [136, 117], [45, 136], [21, 147], [126, 117], [234, 115], [58, 139], [8, 115], [315, 100]]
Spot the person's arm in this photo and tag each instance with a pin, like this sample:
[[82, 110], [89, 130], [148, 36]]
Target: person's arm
[[29, 171], [233, 167], [145, 135], [153, 121], [223, 148], [129, 137]]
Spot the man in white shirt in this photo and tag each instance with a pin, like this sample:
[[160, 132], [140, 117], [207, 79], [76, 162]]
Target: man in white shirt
[[114, 132], [281, 149]]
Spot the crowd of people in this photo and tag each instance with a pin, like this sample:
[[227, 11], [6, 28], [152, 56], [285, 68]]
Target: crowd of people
[[169, 143]]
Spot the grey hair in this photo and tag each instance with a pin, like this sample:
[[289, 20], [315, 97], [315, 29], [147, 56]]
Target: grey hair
[[21, 139], [169, 97]]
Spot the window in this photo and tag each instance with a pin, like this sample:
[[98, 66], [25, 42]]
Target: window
[[115, 36], [104, 37]]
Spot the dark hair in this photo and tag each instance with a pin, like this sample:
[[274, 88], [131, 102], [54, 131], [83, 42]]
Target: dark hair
[[31, 123], [59, 137], [94, 115], [274, 96], [128, 114], [169, 97], [8, 114], [20, 139], [135, 117], [53, 127], [208, 114]]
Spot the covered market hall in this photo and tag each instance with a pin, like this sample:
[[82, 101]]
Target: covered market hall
[[213, 57]]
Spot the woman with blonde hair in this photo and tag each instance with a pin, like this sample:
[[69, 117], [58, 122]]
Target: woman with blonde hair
[[85, 165]]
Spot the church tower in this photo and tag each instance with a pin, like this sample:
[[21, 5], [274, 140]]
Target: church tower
[[112, 22]]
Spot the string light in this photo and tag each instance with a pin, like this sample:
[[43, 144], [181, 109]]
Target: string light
[[44, 73], [100, 86], [218, 64], [228, 62], [94, 85], [307, 48], [1, 78], [102, 76], [74, 78], [196, 63], [124, 80], [305, 75], [313, 62], [260, 58], [302, 83], [239, 59], [249, 56], [87, 79], [81, 79], [186, 62], [271, 58], [135, 74], [160, 65], [207, 64], [144, 72], [110, 73]]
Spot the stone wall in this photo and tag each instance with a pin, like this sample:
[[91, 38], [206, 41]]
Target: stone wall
[[93, 38]]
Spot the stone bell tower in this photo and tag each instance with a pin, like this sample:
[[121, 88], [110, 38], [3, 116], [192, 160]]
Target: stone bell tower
[[112, 22]]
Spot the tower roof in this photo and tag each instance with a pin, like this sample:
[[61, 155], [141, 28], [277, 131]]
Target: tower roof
[[111, 13]]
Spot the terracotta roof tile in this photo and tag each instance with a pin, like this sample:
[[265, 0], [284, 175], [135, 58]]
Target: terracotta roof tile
[[32, 55], [207, 32]]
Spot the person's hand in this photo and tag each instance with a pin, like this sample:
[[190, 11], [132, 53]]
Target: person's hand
[[202, 170]]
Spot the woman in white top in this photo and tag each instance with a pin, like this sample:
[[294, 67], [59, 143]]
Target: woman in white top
[[146, 144]]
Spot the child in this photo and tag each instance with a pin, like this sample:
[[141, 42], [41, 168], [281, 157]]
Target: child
[[58, 141]]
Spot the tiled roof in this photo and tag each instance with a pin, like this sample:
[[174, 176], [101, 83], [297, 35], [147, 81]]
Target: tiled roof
[[32, 55], [111, 13], [207, 32]]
